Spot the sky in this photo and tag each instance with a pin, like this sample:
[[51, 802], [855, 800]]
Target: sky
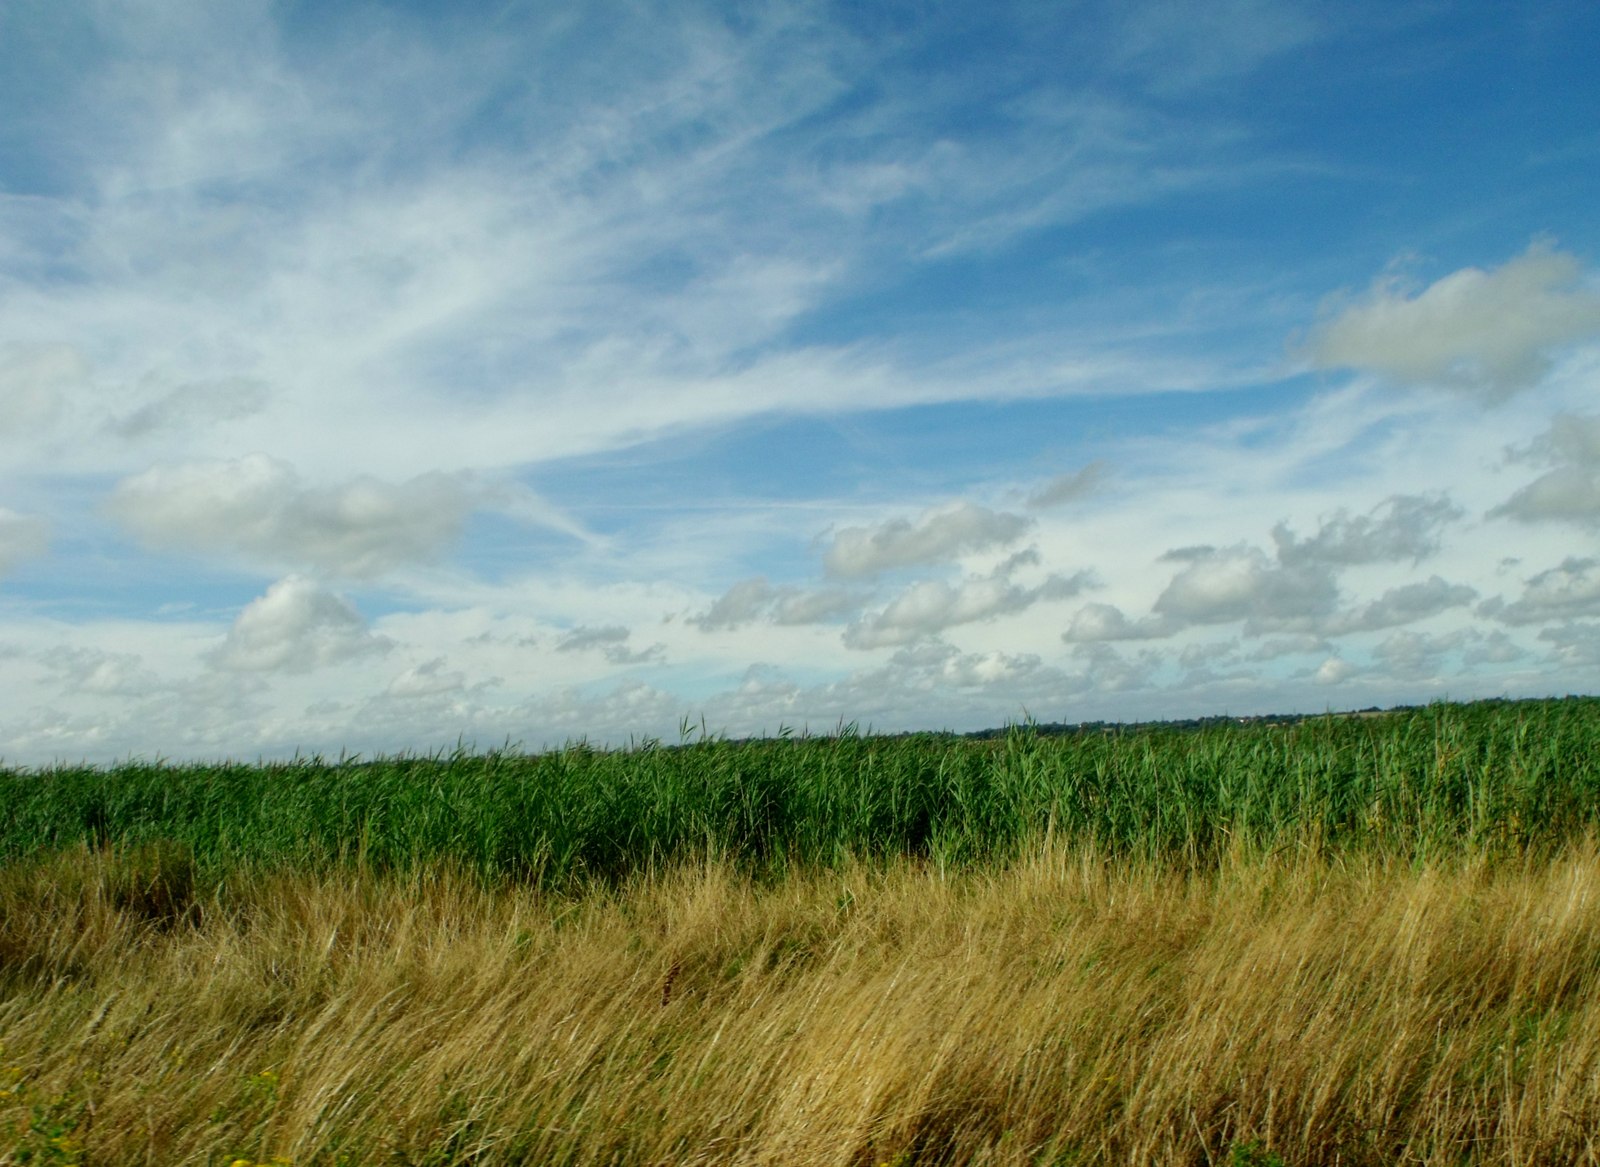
[[387, 377]]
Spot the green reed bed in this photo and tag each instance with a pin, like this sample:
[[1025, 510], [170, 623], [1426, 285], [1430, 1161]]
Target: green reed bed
[[1517, 775]]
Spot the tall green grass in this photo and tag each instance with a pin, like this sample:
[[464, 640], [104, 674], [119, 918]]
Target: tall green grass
[[1514, 775]]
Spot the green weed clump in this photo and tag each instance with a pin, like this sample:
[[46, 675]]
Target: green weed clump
[[1496, 776]]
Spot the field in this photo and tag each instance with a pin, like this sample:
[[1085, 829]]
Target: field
[[1344, 940]]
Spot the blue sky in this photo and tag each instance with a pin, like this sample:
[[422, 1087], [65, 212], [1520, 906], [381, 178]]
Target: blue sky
[[374, 376]]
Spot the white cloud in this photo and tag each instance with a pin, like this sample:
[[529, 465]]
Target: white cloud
[[1567, 492], [611, 641], [296, 627], [259, 508], [428, 679], [1575, 644], [936, 536], [752, 600], [1415, 655], [814, 605], [931, 606], [1198, 656], [1495, 649], [742, 603], [1110, 671], [1304, 644], [1560, 593], [1242, 583], [1402, 605], [89, 671], [1400, 528], [1097, 622], [996, 687], [1333, 671], [583, 638], [22, 537], [1067, 488], [1490, 333], [1571, 490]]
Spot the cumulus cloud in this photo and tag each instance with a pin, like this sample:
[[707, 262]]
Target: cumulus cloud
[[1002, 683], [1402, 605], [611, 641], [1402, 527], [972, 670], [1109, 671], [22, 537], [814, 605], [582, 638], [744, 602], [1241, 583], [1567, 492], [1097, 622], [259, 507], [1490, 333], [1572, 438], [1069, 487], [296, 627], [1199, 656], [931, 606], [1302, 644], [101, 674], [1415, 655], [1296, 591], [1495, 649], [1561, 593], [936, 536], [1570, 490], [755, 599], [1333, 670], [1574, 643]]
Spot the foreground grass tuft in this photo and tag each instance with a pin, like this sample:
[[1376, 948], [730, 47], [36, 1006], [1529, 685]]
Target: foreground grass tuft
[[1069, 1006]]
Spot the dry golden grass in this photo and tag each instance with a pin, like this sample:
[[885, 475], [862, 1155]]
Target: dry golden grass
[[1064, 1009]]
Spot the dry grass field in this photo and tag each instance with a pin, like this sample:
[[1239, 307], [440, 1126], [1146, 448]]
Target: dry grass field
[[1067, 1006]]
